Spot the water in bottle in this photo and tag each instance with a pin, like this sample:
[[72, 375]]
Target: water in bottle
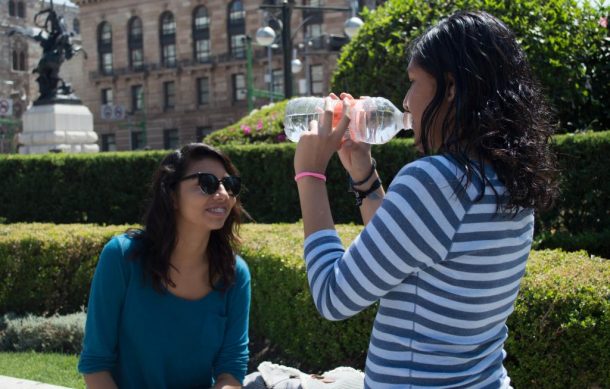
[[373, 120]]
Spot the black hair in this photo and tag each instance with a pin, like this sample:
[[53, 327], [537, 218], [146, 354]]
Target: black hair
[[499, 113], [159, 235]]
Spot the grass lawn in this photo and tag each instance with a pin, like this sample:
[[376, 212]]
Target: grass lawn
[[56, 369]]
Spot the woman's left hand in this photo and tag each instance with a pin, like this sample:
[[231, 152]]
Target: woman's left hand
[[316, 147]]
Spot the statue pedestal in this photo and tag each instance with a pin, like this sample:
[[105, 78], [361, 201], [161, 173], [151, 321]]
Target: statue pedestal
[[54, 127]]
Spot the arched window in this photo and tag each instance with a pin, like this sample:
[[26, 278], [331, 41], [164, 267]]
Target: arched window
[[76, 26], [15, 60], [201, 34], [11, 8], [22, 64], [167, 38], [21, 9], [237, 29], [135, 43], [104, 47]]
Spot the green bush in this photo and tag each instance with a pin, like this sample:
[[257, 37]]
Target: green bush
[[584, 184], [47, 268], [566, 44], [594, 243], [260, 126], [559, 333], [62, 334], [111, 188], [94, 188]]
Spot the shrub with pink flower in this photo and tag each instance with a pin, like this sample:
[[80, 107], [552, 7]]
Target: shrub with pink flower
[[603, 21], [246, 129]]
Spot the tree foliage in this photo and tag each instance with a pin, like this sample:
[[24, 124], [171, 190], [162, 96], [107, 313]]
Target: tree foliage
[[567, 45]]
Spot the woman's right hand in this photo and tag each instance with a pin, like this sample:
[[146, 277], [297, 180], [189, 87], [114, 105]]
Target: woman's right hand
[[355, 156]]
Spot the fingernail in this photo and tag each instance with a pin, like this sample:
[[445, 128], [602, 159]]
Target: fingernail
[[327, 104], [348, 108]]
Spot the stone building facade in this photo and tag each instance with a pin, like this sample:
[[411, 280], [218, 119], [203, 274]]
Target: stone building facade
[[162, 73]]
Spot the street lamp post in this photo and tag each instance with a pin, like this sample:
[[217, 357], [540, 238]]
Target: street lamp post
[[8, 124], [266, 35]]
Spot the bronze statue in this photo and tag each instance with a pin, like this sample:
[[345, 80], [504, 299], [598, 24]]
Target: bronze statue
[[57, 46]]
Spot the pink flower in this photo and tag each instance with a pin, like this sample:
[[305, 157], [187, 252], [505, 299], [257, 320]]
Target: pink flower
[[603, 21], [281, 138], [246, 129], [259, 125]]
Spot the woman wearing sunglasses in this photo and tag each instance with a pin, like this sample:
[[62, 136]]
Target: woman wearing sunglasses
[[169, 303]]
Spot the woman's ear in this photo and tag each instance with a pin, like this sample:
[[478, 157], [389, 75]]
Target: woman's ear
[[450, 87]]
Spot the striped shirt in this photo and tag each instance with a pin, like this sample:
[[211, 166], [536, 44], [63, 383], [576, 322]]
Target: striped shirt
[[445, 269]]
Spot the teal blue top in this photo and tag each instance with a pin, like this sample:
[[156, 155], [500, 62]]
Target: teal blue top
[[147, 339]]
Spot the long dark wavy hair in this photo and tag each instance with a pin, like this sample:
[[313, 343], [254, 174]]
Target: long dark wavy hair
[[499, 113], [159, 236]]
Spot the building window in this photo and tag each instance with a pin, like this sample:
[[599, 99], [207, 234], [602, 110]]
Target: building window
[[22, 64], [171, 139], [237, 29], [201, 133], [167, 38], [108, 142], [316, 75], [76, 26], [313, 19], [104, 47], [278, 81], [169, 95], [203, 91], [239, 87], [18, 60], [134, 43], [11, 8], [201, 34], [15, 60], [313, 31], [137, 140], [137, 98], [107, 97], [20, 9]]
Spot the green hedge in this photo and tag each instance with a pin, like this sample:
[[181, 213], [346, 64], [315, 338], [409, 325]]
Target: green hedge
[[559, 334], [111, 188]]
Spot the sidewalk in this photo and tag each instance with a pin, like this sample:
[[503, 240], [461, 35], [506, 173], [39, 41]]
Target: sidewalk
[[20, 383]]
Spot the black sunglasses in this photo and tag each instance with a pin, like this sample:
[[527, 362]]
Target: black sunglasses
[[209, 184]]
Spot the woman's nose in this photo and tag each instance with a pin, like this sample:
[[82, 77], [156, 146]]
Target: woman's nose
[[221, 190]]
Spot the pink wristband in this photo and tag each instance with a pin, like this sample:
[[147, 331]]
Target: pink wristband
[[310, 174]]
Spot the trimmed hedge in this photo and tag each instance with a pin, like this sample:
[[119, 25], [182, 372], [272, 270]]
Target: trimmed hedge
[[110, 188], [559, 333]]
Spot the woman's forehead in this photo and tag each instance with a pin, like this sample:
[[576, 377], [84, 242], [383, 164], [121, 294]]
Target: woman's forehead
[[207, 165]]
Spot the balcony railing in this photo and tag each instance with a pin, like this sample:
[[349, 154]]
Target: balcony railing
[[322, 43]]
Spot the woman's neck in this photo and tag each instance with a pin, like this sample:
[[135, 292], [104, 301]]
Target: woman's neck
[[191, 249]]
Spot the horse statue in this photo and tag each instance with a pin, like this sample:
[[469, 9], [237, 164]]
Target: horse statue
[[56, 42]]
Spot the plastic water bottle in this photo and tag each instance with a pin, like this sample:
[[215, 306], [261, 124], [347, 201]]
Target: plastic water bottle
[[373, 120]]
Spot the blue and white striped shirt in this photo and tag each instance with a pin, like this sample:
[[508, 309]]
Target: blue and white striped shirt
[[446, 270]]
